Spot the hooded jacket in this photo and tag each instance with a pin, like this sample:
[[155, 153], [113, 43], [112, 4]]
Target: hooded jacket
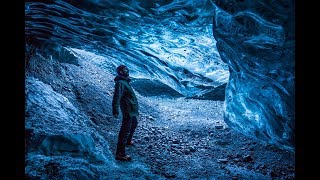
[[124, 97]]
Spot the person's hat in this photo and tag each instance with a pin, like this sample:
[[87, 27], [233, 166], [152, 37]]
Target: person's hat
[[120, 68]]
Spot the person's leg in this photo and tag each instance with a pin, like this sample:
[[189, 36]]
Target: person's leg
[[123, 135], [134, 123]]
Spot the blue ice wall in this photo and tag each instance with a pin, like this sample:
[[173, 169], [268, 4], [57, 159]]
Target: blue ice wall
[[257, 40]]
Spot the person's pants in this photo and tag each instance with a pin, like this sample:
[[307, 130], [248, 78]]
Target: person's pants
[[127, 129]]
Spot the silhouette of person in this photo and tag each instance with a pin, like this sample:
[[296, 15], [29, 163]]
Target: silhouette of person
[[124, 97]]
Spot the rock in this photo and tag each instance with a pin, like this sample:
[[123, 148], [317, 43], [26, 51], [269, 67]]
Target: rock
[[192, 149], [247, 158], [236, 160], [186, 151], [175, 141], [274, 174], [222, 160], [174, 145], [263, 166]]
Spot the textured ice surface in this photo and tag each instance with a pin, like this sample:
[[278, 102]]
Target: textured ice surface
[[167, 41], [256, 39]]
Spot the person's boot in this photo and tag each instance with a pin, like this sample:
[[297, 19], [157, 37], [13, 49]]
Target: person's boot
[[123, 158]]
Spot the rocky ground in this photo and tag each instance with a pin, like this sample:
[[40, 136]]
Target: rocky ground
[[188, 139]]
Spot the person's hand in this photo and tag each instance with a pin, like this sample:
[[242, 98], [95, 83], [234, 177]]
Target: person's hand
[[116, 115]]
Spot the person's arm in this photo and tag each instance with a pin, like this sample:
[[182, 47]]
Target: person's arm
[[116, 98]]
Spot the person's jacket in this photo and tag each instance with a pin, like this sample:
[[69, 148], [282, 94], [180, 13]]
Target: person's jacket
[[124, 97]]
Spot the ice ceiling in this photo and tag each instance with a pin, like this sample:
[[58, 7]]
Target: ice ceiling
[[162, 40]]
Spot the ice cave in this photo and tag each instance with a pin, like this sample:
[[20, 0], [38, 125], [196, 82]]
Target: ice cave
[[215, 81]]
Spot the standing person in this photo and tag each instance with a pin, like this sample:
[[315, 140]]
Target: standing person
[[124, 97]]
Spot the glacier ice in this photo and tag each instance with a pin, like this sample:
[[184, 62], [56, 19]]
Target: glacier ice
[[166, 41], [256, 39]]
